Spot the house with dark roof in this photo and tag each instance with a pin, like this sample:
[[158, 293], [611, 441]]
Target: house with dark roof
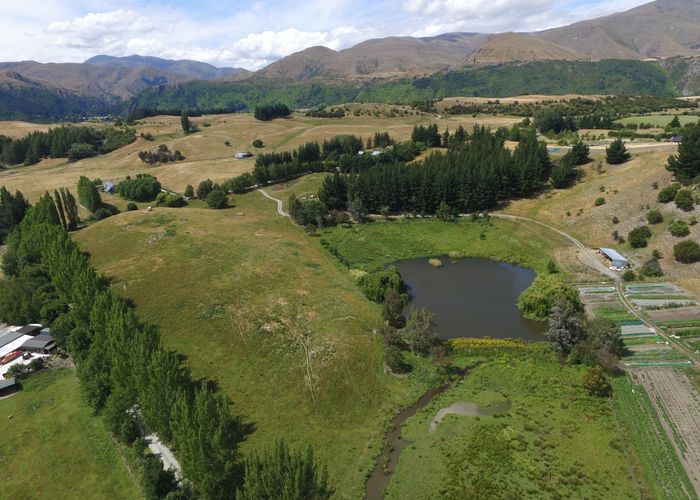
[[29, 330], [41, 344]]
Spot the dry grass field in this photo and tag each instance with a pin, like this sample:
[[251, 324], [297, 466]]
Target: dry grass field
[[207, 155], [629, 194]]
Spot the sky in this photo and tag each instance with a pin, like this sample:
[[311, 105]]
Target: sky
[[252, 34]]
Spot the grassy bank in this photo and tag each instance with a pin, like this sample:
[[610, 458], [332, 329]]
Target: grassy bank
[[52, 445], [253, 304], [374, 245], [556, 441]]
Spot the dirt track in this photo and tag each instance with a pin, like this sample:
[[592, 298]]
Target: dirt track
[[677, 405]]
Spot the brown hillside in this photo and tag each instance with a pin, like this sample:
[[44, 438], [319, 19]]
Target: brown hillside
[[520, 47], [658, 29]]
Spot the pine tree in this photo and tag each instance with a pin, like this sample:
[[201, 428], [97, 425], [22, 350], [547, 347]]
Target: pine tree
[[185, 123], [579, 151], [88, 194], [686, 164], [60, 209], [284, 475], [616, 153]]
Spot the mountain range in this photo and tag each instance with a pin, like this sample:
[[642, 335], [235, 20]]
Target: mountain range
[[652, 32]]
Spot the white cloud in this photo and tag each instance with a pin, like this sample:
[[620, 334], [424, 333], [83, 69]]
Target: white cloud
[[101, 29]]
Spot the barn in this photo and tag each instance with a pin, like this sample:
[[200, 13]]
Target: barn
[[41, 344], [615, 258]]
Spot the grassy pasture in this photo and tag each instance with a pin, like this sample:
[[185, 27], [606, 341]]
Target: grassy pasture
[[374, 245], [257, 306], [554, 442], [205, 151], [52, 446], [659, 121]]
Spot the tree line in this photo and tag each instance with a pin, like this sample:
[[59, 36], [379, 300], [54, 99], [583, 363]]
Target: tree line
[[128, 376], [69, 142], [476, 175], [266, 112]]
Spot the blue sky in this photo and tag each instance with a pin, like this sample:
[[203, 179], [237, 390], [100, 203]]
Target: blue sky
[[251, 34]]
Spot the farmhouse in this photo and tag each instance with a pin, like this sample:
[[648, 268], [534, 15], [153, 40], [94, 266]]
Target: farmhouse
[[41, 344], [677, 138], [242, 155], [616, 260]]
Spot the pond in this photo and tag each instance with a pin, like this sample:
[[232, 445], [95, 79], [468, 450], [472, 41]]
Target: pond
[[472, 297]]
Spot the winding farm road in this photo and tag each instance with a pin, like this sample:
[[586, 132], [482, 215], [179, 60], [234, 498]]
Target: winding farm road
[[280, 206], [588, 259]]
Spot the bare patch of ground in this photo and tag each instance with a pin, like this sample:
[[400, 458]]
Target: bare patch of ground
[[684, 313]]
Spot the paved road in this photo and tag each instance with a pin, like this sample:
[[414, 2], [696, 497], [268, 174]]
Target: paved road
[[280, 209]]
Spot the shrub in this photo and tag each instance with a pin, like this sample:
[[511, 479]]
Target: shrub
[[654, 217], [393, 357], [160, 155], [596, 382], [638, 236], [79, 151], [143, 187], [217, 199], [651, 269], [629, 275], [679, 228], [131, 206], [189, 191], [204, 188], [687, 252], [668, 194], [101, 213], [170, 200], [257, 143], [537, 301], [375, 285], [684, 200], [599, 201]]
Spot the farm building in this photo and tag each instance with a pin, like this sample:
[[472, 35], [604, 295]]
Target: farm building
[[242, 155], [41, 344], [108, 187], [677, 138], [616, 260], [8, 338], [29, 330], [7, 386]]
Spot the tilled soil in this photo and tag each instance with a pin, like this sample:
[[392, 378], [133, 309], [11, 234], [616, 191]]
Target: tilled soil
[[677, 405]]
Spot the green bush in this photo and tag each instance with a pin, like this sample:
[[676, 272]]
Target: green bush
[[629, 275], [101, 213], [687, 252], [375, 285], [599, 201], [616, 153], [143, 187], [668, 194], [393, 357], [638, 236], [170, 200], [131, 206], [684, 200], [537, 301], [654, 217], [79, 151], [679, 228], [217, 199], [651, 269]]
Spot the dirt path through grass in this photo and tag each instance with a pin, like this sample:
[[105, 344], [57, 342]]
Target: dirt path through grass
[[280, 205]]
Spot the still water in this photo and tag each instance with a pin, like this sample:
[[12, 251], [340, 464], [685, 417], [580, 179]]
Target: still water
[[472, 297]]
